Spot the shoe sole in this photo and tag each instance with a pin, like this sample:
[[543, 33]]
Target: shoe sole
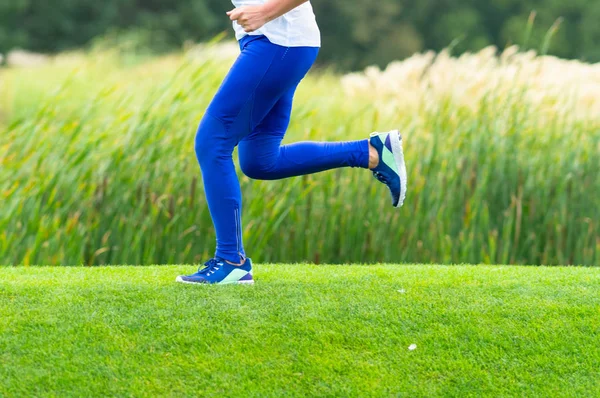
[[396, 142], [180, 280]]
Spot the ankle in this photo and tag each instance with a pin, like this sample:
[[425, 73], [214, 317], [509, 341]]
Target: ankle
[[373, 157], [236, 265]]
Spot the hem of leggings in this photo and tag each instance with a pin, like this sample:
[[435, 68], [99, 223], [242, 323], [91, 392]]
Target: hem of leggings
[[365, 155], [235, 258]]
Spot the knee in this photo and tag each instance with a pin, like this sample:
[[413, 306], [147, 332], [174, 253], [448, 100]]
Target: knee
[[201, 146], [255, 167], [205, 144]]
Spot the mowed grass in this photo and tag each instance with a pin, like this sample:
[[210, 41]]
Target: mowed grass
[[302, 330]]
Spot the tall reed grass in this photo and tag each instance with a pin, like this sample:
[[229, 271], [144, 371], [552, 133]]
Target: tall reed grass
[[97, 163]]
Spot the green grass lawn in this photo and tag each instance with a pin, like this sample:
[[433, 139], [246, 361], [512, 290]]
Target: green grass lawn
[[302, 330]]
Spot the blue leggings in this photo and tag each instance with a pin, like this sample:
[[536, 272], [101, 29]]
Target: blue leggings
[[252, 110]]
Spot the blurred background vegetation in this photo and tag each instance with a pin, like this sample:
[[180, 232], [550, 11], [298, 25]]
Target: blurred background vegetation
[[356, 33], [96, 147]]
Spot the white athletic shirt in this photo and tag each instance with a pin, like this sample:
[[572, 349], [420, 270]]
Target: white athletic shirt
[[297, 28]]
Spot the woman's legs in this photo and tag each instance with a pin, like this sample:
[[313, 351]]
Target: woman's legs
[[260, 76], [252, 108], [263, 158]]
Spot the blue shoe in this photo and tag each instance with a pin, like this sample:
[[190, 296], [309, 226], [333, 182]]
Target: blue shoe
[[391, 169], [218, 272]]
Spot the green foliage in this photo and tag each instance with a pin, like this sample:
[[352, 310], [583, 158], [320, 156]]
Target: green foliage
[[102, 171], [63, 24], [301, 331], [355, 33]]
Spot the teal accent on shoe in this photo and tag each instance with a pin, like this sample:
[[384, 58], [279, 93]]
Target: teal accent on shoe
[[219, 272], [391, 169]]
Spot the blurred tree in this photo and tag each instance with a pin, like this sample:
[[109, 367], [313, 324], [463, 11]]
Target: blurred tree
[[365, 32], [355, 33], [589, 32]]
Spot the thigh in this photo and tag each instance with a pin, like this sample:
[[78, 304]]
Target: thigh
[[271, 119], [239, 86], [260, 87], [275, 123], [260, 148], [259, 151], [275, 94]]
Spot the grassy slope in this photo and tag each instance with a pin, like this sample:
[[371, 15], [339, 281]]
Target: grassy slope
[[317, 330]]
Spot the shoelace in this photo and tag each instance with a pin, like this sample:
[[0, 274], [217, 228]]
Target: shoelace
[[380, 177], [210, 267]]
